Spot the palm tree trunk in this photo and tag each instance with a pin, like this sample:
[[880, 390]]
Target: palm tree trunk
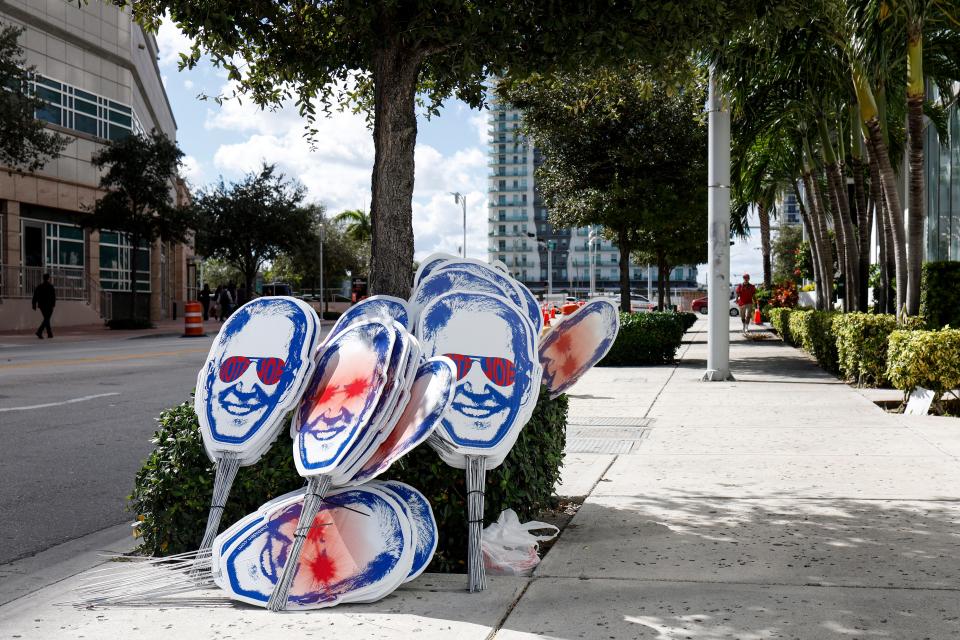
[[764, 214], [625, 246], [395, 72], [818, 224], [893, 209], [915, 97], [814, 251], [864, 219], [843, 228]]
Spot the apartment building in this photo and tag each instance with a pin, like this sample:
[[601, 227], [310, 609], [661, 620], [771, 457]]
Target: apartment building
[[97, 72], [522, 236]]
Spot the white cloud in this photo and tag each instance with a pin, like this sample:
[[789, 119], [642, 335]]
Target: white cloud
[[171, 42], [188, 84], [337, 170], [191, 170], [480, 121]]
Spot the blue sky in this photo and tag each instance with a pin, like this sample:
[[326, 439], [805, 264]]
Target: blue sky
[[236, 137]]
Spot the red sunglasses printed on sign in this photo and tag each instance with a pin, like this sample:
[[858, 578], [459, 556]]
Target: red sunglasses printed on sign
[[269, 370], [500, 371]]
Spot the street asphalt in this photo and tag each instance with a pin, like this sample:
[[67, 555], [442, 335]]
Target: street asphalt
[[76, 420]]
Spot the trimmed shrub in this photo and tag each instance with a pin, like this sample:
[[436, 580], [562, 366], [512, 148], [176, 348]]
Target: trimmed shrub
[[645, 338], [687, 319], [172, 490], [862, 346], [929, 359], [813, 331], [780, 320], [940, 295]]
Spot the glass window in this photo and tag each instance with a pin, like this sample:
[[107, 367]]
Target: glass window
[[86, 124], [115, 250], [65, 246], [82, 111]]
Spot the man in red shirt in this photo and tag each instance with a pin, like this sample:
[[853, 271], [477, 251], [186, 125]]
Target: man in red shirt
[[745, 300]]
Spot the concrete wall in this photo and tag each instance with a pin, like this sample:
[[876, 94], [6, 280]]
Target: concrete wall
[[17, 314]]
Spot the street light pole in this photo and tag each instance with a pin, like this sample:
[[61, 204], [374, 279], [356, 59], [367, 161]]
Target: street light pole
[[718, 237], [592, 253], [462, 199]]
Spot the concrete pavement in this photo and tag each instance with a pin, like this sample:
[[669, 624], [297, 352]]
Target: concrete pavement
[[782, 505]]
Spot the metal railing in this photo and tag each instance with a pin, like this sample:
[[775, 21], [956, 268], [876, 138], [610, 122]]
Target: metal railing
[[70, 283]]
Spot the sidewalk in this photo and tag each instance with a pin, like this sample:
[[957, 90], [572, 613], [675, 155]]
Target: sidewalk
[[85, 332], [782, 505]]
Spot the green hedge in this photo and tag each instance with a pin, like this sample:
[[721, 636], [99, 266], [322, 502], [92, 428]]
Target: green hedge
[[929, 359], [687, 319], [940, 294], [813, 331], [172, 490], [779, 320], [645, 338], [862, 346]]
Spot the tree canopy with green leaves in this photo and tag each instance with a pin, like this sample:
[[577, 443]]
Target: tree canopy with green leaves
[[25, 143], [381, 56], [624, 150], [139, 182], [252, 221]]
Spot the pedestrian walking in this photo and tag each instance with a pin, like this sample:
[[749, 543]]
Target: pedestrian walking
[[746, 296], [45, 299], [226, 303], [205, 296], [232, 289]]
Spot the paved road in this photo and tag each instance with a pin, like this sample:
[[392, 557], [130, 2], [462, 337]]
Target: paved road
[[75, 423]]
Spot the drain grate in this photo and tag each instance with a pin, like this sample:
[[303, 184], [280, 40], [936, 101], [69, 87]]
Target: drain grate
[[615, 441], [601, 421]]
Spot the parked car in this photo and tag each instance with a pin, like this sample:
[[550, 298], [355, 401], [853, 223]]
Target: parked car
[[639, 303], [700, 305]]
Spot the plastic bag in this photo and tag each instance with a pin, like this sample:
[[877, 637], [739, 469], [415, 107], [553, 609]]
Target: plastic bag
[[509, 549]]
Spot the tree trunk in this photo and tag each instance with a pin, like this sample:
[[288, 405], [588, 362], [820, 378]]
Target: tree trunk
[[894, 210], [395, 72], [661, 265], [915, 97], [764, 214], [818, 218], [864, 225], [666, 287], [883, 231], [814, 251], [623, 243], [842, 226]]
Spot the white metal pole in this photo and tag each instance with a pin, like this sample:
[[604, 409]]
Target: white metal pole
[[649, 283], [718, 240]]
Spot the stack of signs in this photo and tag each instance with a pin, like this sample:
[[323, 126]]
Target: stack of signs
[[256, 371], [372, 398], [364, 542], [487, 323]]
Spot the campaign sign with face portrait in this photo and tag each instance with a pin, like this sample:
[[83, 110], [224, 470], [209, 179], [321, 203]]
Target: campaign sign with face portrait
[[424, 525], [430, 263], [577, 343], [359, 548], [351, 374], [255, 373], [491, 343], [430, 397], [452, 279], [486, 270], [374, 307]]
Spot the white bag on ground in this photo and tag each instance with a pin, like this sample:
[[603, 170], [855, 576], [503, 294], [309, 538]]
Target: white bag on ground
[[509, 549]]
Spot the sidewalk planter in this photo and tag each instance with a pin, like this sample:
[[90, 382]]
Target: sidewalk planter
[[173, 488], [645, 339], [929, 359], [939, 294]]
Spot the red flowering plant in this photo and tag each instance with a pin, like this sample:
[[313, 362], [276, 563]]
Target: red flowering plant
[[784, 295]]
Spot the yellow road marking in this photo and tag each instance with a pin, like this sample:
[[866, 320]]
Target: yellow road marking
[[96, 359]]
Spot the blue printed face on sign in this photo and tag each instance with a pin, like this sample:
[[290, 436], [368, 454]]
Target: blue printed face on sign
[[254, 370], [491, 343]]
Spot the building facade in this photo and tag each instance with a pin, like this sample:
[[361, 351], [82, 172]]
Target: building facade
[[522, 236], [97, 72], [942, 163]]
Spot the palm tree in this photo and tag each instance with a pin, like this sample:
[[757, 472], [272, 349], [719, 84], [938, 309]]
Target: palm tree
[[357, 225]]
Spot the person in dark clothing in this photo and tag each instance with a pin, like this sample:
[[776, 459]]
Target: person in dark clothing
[[232, 289], [225, 301], [45, 299], [205, 300]]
